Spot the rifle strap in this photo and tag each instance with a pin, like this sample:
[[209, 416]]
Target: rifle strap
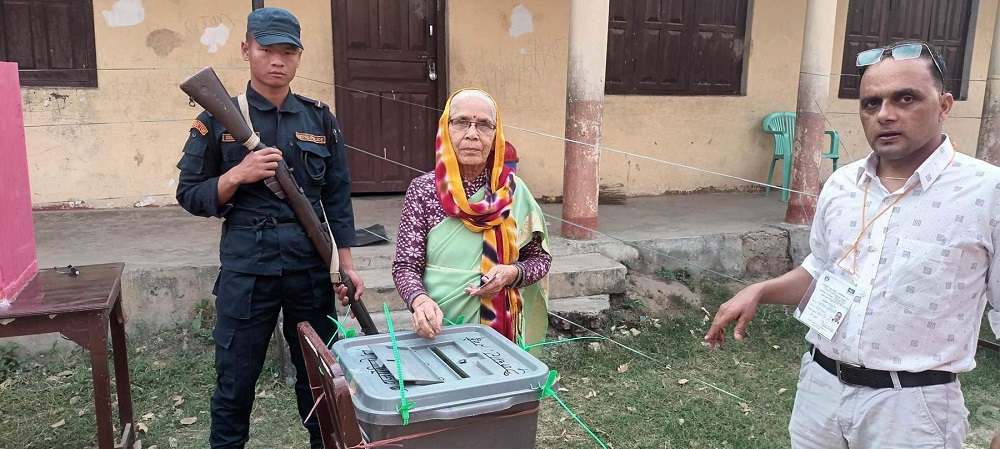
[[330, 146], [334, 255], [254, 140]]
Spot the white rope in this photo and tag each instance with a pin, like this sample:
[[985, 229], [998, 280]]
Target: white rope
[[602, 148], [636, 351], [595, 231], [654, 250]]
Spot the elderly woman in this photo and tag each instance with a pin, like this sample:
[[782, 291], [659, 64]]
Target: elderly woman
[[472, 241]]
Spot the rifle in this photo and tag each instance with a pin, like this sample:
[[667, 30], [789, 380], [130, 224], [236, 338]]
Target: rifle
[[207, 90]]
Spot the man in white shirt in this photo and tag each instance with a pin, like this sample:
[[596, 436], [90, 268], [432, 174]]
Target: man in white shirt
[[904, 246]]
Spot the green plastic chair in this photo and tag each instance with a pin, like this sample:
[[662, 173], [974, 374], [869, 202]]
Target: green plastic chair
[[782, 126]]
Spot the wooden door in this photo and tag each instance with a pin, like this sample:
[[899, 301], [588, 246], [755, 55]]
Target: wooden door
[[386, 53]]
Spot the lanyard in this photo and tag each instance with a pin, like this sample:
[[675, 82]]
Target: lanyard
[[853, 250]]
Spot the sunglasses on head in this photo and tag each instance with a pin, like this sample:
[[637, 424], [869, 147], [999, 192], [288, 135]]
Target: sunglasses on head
[[898, 52]]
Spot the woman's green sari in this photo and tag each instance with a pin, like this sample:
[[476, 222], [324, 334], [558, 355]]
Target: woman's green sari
[[454, 258]]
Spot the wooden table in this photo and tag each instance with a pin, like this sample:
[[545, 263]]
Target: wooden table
[[82, 308]]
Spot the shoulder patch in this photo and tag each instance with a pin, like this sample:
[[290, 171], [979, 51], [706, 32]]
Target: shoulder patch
[[317, 103], [200, 127], [311, 138]]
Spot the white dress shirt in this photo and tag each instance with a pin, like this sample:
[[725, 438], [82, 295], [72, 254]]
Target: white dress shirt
[[923, 267]]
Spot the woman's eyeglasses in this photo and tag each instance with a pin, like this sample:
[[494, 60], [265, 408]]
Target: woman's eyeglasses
[[898, 52], [462, 125]]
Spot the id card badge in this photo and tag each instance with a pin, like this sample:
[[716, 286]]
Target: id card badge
[[825, 304]]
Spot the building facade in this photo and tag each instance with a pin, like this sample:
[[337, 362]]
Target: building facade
[[688, 82]]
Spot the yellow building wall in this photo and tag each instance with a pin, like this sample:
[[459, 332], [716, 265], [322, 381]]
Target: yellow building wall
[[490, 47], [717, 133], [723, 134], [116, 145]]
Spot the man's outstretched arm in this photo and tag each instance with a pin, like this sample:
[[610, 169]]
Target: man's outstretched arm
[[787, 289]]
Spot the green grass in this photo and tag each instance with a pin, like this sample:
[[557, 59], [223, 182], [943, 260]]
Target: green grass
[[173, 377], [628, 401], [681, 275], [651, 406]]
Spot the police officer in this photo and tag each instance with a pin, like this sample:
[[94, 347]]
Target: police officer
[[268, 262]]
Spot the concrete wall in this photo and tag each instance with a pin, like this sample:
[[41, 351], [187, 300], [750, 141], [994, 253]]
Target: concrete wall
[[723, 134], [517, 51], [116, 145]]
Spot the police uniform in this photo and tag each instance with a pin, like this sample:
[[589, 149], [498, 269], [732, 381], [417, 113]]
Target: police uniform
[[268, 262]]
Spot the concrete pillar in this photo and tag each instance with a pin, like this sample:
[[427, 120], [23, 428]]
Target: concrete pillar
[[588, 49], [989, 128], [810, 121]]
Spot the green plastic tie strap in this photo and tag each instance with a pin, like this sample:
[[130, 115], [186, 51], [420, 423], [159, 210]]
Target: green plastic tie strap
[[347, 333], [459, 320], [404, 407], [549, 382]]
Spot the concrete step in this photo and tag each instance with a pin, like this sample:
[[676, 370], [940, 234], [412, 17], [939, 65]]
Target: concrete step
[[380, 288], [374, 256], [594, 305], [570, 277], [588, 311], [585, 275]]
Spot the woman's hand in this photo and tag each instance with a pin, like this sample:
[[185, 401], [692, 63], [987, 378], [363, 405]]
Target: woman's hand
[[499, 277], [427, 317]]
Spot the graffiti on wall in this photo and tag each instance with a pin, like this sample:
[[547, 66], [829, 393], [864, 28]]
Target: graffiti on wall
[[529, 64]]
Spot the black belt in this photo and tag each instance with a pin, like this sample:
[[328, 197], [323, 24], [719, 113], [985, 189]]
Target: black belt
[[852, 374], [260, 222]]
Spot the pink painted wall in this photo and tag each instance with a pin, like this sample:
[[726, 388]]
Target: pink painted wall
[[18, 262]]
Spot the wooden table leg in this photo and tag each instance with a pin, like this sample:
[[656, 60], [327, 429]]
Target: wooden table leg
[[123, 382], [98, 346], [90, 331]]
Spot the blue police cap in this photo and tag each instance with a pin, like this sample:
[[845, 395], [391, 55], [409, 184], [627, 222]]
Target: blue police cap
[[271, 26]]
